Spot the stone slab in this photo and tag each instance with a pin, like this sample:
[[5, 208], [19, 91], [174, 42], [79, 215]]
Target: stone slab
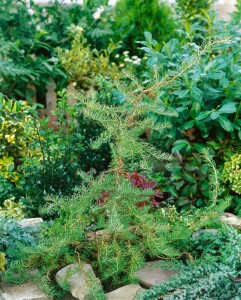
[[211, 231], [76, 276], [152, 273], [127, 292], [231, 219], [24, 291], [30, 222]]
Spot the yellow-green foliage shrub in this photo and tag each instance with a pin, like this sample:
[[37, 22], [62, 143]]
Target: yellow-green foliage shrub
[[2, 261], [232, 173], [17, 133], [82, 63], [12, 209], [19, 148], [192, 10]]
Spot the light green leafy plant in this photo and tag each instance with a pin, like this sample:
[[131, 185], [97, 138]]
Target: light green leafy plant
[[82, 63], [2, 261], [236, 15], [192, 10], [232, 173], [17, 132], [17, 137], [12, 209]]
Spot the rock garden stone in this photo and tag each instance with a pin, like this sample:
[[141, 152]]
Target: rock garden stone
[[231, 219], [25, 291], [76, 276], [30, 222], [127, 292], [153, 273], [197, 233]]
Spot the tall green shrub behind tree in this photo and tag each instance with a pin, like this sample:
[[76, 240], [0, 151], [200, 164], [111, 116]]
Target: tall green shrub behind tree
[[133, 17]]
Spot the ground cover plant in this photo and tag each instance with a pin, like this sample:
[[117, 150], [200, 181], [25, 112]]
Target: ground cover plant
[[216, 275], [13, 234]]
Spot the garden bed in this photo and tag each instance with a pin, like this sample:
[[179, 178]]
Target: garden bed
[[132, 170]]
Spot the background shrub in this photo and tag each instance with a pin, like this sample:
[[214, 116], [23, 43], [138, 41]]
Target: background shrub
[[131, 22], [17, 136], [83, 64], [207, 102], [191, 11]]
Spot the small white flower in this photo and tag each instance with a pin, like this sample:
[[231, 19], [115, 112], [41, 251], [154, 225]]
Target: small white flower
[[74, 83], [44, 12], [126, 53], [20, 3], [79, 28], [121, 65], [33, 57], [30, 11], [127, 59], [134, 57], [222, 2], [117, 55], [98, 13]]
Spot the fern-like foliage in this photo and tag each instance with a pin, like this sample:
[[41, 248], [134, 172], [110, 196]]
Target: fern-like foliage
[[129, 233], [124, 125], [8, 68], [115, 236], [101, 32], [214, 176]]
